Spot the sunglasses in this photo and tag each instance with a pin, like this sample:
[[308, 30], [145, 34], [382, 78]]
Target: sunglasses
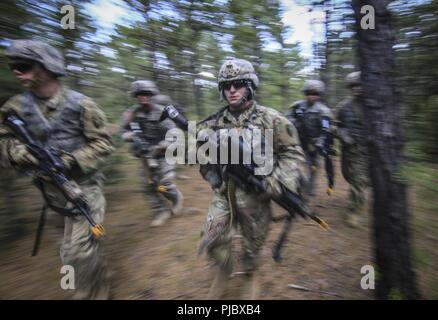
[[144, 93], [237, 84], [22, 67], [311, 93]]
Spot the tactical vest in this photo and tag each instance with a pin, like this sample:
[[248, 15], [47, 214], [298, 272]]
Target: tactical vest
[[212, 172], [153, 130], [64, 130], [251, 123], [307, 121]]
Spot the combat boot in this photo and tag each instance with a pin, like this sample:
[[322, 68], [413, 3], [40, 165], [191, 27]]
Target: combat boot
[[353, 220], [160, 219], [100, 293], [352, 215], [251, 287], [177, 203], [219, 284]]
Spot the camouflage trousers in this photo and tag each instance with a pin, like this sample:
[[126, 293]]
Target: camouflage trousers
[[81, 250], [251, 214], [355, 171], [159, 186], [312, 162]]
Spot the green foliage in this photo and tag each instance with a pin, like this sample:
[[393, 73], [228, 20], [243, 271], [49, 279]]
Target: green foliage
[[434, 289], [395, 294], [418, 30], [423, 131], [422, 176], [421, 257]]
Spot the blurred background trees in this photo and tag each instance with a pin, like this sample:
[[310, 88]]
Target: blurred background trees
[[181, 44], [178, 44]]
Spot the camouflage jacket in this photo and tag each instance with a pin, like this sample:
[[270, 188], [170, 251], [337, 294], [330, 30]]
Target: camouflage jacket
[[92, 121], [288, 165], [350, 126]]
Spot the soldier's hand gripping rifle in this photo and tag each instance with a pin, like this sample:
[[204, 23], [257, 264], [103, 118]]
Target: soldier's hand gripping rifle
[[142, 148], [244, 174], [51, 166], [325, 149]]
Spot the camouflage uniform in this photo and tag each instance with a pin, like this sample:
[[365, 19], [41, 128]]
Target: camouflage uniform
[[9, 206], [164, 100], [156, 173], [354, 158], [232, 207], [75, 125], [308, 121]]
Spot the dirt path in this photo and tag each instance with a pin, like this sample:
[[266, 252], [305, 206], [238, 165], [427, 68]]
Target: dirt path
[[161, 263]]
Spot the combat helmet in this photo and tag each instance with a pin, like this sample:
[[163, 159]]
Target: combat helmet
[[41, 52], [237, 69], [314, 86], [144, 85]]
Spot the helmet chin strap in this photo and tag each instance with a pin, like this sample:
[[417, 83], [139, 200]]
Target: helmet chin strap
[[244, 98]]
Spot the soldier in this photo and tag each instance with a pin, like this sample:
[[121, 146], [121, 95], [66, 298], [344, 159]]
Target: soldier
[[354, 149], [158, 175], [233, 207], [312, 118], [164, 100], [74, 125]]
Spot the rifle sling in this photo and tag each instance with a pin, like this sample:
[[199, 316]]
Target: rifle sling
[[39, 232], [42, 220], [62, 211]]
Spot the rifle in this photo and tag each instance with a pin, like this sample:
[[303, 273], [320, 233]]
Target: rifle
[[325, 149], [142, 148], [243, 174], [51, 166]]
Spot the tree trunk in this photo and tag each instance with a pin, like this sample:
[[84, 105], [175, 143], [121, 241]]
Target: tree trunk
[[381, 103]]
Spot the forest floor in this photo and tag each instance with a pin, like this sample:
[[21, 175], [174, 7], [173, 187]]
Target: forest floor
[[162, 263]]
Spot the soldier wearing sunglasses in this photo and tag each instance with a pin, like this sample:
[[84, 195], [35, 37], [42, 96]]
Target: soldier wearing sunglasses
[[312, 118], [232, 208], [75, 126], [156, 173]]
